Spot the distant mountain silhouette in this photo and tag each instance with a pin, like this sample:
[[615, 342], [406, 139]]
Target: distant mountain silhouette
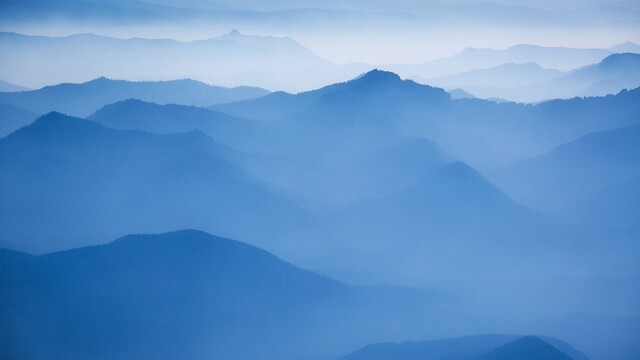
[[460, 94], [376, 99], [231, 59], [354, 117], [399, 166], [432, 219], [134, 114], [476, 130], [321, 13], [575, 170], [456, 196], [626, 47], [375, 82], [470, 59], [506, 75], [527, 348], [613, 74], [13, 118], [482, 133], [189, 294], [9, 87], [71, 182], [358, 170], [457, 182], [530, 83], [271, 107], [84, 99], [503, 347]]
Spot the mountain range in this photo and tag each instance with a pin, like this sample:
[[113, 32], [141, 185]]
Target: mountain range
[[188, 293], [232, 59], [576, 170], [281, 63], [376, 179], [483, 347], [532, 83], [133, 114], [91, 183], [84, 99], [362, 13], [563, 59], [423, 111], [453, 180]]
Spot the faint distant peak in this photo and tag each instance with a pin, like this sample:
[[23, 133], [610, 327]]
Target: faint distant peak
[[527, 66], [626, 47], [523, 47], [460, 94], [6, 86], [461, 172], [236, 34]]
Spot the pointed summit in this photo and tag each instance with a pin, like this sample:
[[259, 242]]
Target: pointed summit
[[54, 127], [626, 47], [526, 348], [378, 76]]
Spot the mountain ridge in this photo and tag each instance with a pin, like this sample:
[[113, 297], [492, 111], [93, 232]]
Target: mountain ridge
[[461, 348], [64, 160], [82, 99]]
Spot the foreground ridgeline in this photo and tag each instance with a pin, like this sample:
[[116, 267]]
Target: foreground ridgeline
[[188, 294]]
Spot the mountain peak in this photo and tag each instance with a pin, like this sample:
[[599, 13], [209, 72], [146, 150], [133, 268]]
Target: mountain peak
[[457, 180], [527, 348], [49, 117], [459, 168], [55, 123], [190, 238], [626, 47], [376, 75]]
